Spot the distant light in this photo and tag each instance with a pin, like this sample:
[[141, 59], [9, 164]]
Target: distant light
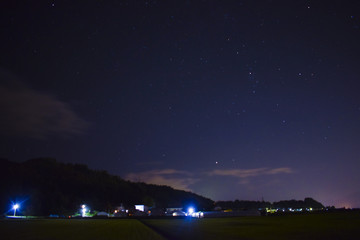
[[140, 208], [191, 210], [83, 210], [15, 206]]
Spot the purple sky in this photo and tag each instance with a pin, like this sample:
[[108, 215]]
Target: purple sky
[[228, 99]]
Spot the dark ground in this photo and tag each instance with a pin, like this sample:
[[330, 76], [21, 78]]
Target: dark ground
[[340, 225]]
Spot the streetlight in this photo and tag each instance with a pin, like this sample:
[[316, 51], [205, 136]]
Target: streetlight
[[83, 210], [191, 210], [16, 206]]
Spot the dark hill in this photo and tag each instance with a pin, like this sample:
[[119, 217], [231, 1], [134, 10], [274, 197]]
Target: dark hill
[[50, 187]]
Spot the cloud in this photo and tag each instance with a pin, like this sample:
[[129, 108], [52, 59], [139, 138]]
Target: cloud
[[181, 180], [184, 179], [279, 170], [29, 113], [245, 173]]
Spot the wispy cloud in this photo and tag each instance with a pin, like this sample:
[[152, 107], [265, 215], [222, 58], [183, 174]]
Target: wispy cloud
[[184, 179], [171, 177], [245, 173], [29, 113]]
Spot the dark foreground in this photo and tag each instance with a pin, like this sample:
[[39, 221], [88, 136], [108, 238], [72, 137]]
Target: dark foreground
[[345, 225]]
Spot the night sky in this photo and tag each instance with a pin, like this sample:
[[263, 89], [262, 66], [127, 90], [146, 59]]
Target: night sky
[[244, 100]]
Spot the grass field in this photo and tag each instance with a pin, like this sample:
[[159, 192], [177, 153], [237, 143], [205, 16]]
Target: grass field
[[51, 229], [314, 226]]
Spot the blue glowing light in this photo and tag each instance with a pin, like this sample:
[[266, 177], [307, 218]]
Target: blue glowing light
[[191, 210], [15, 206]]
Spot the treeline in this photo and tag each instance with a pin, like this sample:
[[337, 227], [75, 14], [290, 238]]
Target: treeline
[[285, 204], [295, 204], [242, 205], [46, 186]]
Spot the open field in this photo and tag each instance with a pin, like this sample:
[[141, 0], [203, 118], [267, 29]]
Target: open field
[[309, 226], [98, 229]]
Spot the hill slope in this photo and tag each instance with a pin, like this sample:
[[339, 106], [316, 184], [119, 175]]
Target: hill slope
[[47, 187]]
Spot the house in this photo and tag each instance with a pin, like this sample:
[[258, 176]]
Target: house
[[142, 208], [175, 211]]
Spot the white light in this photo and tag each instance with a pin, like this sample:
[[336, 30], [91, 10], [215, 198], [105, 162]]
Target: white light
[[16, 206], [83, 212], [140, 208], [190, 210]]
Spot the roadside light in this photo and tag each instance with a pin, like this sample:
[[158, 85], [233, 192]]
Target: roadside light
[[15, 206], [83, 210], [191, 210]]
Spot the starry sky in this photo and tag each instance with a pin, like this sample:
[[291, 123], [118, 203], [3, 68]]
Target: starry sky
[[244, 100]]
